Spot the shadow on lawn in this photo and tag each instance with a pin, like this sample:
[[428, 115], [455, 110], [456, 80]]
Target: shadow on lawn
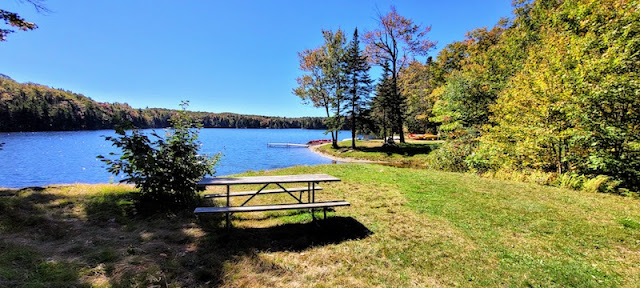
[[288, 237], [400, 149], [221, 245]]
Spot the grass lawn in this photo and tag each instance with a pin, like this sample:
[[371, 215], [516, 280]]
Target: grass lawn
[[410, 154], [406, 227]]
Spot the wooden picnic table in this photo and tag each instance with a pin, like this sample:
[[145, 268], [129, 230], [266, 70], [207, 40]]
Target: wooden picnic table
[[310, 179]]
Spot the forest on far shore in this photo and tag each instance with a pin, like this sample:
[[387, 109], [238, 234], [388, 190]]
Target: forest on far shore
[[34, 107]]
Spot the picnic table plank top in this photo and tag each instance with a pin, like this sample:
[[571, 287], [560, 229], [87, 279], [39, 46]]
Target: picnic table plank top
[[268, 179]]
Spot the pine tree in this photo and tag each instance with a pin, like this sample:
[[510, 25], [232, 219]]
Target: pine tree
[[381, 100], [358, 93]]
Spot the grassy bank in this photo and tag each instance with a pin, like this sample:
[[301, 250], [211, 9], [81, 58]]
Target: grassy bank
[[405, 227], [410, 154]]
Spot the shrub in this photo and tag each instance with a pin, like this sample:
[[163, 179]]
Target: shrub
[[601, 183], [165, 170], [451, 156], [570, 181]]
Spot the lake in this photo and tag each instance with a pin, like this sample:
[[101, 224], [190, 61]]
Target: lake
[[43, 158]]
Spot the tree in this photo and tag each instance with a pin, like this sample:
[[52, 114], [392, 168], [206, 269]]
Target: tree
[[417, 82], [14, 20], [537, 115], [165, 170], [325, 82], [380, 102], [397, 41], [359, 84], [334, 66]]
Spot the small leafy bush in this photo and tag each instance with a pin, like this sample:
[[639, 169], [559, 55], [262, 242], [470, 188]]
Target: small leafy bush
[[596, 184], [450, 156], [167, 169], [570, 181]]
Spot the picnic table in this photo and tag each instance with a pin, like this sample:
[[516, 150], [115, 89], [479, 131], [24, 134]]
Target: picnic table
[[310, 179]]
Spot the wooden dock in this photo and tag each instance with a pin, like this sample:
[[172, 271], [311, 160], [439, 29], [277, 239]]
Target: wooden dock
[[287, 145]]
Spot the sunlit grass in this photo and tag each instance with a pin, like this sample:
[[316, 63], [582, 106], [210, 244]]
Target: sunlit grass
[[406, 227]]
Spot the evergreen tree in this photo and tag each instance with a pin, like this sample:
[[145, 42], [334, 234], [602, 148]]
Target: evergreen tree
[[358, 93], [381, 101]]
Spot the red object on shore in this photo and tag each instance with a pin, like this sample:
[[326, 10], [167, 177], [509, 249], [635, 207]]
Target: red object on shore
[[316, 142]]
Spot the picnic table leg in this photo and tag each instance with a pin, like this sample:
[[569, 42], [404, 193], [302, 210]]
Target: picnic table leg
[[313, 199], [228, 196]]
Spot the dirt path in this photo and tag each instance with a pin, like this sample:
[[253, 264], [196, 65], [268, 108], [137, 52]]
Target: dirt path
[[314, 149]]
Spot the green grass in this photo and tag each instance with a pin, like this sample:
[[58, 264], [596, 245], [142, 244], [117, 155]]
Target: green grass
[[406, 227], [410, 154], [23, 266]]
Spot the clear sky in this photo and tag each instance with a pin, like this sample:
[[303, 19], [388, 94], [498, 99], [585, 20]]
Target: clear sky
[[222, 56]]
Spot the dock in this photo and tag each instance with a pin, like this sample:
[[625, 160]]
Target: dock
[[287, 145]]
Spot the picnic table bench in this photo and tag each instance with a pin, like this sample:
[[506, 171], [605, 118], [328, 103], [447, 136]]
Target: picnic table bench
[[310, 203]]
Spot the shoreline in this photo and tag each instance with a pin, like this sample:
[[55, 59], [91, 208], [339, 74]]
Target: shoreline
[[314, 149]]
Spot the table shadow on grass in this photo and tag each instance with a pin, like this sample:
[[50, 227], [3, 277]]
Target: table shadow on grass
[[221, 245]]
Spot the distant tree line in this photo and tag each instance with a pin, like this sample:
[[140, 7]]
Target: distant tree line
[[34, 107]]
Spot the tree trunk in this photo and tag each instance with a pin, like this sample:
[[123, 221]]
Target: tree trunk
[[384, 126], [353, 126], [559, 158], [396, 95], [334, 143]]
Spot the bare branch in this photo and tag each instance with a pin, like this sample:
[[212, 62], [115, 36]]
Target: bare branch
[[38, 5]]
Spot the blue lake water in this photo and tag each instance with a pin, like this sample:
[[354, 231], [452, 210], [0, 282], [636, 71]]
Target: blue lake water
[[43, 158]]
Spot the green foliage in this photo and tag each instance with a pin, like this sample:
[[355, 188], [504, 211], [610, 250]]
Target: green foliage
[[554, 90], [381, 103], [451, 156], [358, 84], [417, 82], [325, 82], [601, 183], [462, 105], [570, 181], [165, 170]]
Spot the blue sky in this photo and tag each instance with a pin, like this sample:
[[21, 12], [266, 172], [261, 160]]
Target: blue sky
[[222, 56]]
